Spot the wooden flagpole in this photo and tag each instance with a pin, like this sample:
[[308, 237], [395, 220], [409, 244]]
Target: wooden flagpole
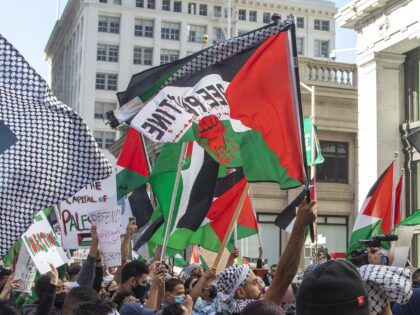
[[172, 206], [231, 224]]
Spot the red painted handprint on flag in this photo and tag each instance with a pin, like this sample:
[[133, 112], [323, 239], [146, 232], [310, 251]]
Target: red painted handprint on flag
[[212, 129]]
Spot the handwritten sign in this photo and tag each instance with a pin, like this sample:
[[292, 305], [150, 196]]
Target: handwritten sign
[[400, 249], [107, 224], [43, 246], [75, 210], [25, 271]]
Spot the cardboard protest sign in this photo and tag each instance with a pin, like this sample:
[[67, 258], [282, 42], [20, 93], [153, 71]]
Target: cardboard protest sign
[[74, 211], [107, 224], [209, 257], [43, 245], [25, 271], [400, 249]]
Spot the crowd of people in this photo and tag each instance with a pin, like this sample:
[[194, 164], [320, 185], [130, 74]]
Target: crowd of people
[[142, 288]]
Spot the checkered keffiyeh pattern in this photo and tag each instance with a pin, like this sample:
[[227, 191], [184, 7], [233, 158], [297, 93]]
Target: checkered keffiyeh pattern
[[190, 269], [385, 285], [54, 156], [229, 281]]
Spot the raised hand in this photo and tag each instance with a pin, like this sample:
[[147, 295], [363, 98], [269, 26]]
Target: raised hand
[[212, 129]]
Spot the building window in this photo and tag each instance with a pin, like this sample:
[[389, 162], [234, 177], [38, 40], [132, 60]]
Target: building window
[[177, 6], [168, 55], [143, 28], [117, 2], [196, 33], [170, 30], [101, 108], [166, 5], [242, 15], [322, 48], [334, 229], [253, 16], [103, 1], [106, 81], [266, 17], [300, 22], [299, 45], [109, 24], [217, 11], [203, 9], [143, 56], [218, 35], [140, 3], [192, 8], [336, 162], [104, 139], [322, 25], [107, 53], [151, 4]]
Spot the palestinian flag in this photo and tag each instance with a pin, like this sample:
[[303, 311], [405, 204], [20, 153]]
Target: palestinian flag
[[239, 99], [148, 233], [140, 206], [311, 139], [133, 160], [398, 201], [375, 216], [411, 220]]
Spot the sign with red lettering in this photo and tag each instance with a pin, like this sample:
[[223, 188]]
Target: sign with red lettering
[[75, 210], [43, 245]]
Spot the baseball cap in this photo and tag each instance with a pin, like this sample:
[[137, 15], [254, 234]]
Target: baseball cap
[[132, 308]]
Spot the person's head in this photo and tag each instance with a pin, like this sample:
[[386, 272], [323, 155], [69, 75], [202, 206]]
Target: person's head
[[273, 269], [323, 255], [173, 309], [334, 288], [262, 307], [7, 308], [374, 256], [416, 275], [174, 290], [77, 296], [4, 276], [42, 285], [134, 277], [123, 297], [72, 273], [95, 307], [209, 292], [239, 282], [193, 270]]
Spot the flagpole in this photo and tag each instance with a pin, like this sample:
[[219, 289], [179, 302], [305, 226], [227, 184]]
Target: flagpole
[[57, 214], [172, 206], [230, 227], [402, 201], [394, 186]]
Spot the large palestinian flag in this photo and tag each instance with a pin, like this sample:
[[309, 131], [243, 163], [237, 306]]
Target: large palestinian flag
[[204, 204], [239, 99], [375, 215]]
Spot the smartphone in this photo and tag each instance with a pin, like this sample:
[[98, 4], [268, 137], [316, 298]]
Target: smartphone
[[132, 219]]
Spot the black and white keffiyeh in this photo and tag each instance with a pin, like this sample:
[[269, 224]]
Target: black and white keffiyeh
[[385, 285], [229, 281], [189, 269], [51, 153]]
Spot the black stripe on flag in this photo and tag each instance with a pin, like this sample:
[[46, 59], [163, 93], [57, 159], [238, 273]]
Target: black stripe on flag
[[148, 233], [201, 196], [141, 206], [226, 183], [288, 214]]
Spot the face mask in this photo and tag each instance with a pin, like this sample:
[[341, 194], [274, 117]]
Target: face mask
[[180, 299], [139, 290], [111, 292], [59, 300]]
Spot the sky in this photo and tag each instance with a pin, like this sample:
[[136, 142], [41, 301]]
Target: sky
[[27, 25]]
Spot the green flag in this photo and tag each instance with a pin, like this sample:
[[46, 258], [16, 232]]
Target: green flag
[[309, 128]]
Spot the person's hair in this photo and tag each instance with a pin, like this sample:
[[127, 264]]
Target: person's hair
[[95, 307], [8, 308], [41, 285], [135, 269], [173, 309], [119, 298], [78, 296], [416, 275], [187, 284], [265, 307], [171, 284], [273, 265]]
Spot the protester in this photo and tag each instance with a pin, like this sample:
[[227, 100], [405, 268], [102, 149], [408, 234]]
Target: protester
[[134, 279], [333, 288], [263, 307], [268, 278], [4, 276], [193, 270], [96, 307], [77, 296], [174, 292]]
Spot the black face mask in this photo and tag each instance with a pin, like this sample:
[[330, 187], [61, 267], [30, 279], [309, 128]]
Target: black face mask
[[111, 293], [59, 300], [139, 291]]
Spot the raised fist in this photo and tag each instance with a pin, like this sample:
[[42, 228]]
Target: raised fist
[[212, 129]]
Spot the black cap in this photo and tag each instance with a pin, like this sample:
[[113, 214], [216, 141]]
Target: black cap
[[333, 288]]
